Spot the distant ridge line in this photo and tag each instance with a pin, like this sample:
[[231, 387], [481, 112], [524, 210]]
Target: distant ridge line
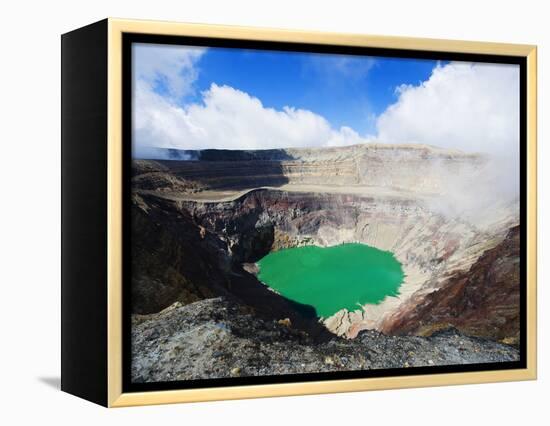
[[289, 154]]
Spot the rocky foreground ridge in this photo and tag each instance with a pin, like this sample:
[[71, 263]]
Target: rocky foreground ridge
[[223, 338]]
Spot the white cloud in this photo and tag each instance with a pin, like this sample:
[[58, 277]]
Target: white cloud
[[228, 119], [170, 66], [470, 107]]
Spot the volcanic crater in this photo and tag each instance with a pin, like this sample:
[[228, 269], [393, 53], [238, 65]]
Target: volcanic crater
[[201, 220]]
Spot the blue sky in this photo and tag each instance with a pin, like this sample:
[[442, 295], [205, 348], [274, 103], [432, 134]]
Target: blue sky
[[187, 97], [346, 90]]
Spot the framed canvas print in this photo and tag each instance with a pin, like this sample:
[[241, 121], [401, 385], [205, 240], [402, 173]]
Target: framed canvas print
[[251, 212]]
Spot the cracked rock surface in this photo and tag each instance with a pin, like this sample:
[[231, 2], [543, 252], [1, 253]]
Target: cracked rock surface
[[215, 338]]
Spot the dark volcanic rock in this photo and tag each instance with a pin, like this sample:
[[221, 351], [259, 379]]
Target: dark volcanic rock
[[170, 260], [219, 337], [153, 176], [176, 259]]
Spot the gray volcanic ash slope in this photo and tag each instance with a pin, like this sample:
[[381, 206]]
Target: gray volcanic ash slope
[[216, 338], [199, 226]]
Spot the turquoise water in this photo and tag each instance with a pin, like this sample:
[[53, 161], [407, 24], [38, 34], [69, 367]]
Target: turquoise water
[[332, 278]]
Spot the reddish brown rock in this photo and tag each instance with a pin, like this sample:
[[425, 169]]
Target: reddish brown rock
[[484, 301]]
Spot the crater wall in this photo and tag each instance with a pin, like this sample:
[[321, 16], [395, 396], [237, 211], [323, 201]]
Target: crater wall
[[241, 206]]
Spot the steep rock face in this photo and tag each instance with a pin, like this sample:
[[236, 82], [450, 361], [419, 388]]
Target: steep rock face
[[175, 259], [217, 239], [170, 260], [226, 339], [428, 245], [482, 301], [416, 168]]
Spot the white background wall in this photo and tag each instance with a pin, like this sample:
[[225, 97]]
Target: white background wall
[[30, 200]]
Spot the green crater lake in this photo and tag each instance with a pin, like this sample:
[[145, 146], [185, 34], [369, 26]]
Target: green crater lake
[[332, 278]]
